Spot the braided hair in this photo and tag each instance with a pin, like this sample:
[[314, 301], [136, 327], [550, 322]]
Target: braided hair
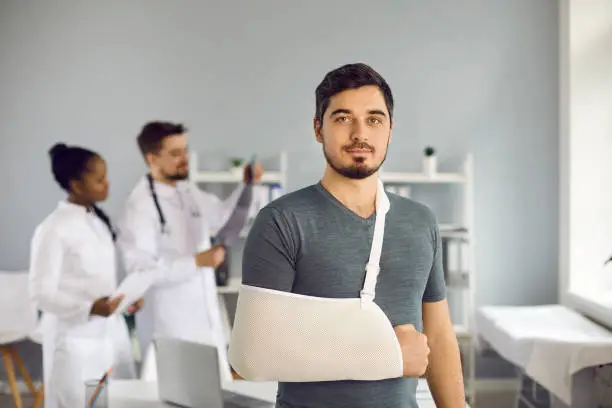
[[69, 163]]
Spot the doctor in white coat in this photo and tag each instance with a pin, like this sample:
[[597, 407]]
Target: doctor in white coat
[[166, 233], [72, 275]]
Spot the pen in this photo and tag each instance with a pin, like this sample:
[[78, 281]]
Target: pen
[[96, 393]]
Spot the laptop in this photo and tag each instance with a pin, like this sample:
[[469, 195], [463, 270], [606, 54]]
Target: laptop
[[188, 376]]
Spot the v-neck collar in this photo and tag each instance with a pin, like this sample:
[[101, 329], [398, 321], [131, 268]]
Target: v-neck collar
[[367, 220]]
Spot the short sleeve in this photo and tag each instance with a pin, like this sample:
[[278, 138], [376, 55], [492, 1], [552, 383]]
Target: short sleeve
[[270, 252], [435, 289]]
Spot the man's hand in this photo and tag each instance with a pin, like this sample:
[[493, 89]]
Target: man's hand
[[136, 306], [105, 307], [252, 174], [415, 351], [212, 257]]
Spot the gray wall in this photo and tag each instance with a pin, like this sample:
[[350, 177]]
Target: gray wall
[[476, 75]]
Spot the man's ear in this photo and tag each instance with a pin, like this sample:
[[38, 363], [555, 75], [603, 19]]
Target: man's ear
[[149, 159], [317, 130]]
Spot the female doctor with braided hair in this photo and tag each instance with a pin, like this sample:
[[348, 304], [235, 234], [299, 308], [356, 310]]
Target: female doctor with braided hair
[[72, 276]]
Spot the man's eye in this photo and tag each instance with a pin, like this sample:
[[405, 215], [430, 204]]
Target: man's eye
[[342, 119], [376, 121]]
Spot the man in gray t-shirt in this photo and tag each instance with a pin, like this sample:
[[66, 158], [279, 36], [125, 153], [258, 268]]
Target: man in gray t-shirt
[[316, 241]]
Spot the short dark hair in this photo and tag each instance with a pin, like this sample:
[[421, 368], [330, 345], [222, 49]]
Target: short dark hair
[[153, 134], [350, 76]]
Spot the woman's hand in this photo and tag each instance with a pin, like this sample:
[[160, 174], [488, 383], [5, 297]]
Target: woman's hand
[[105, 306]]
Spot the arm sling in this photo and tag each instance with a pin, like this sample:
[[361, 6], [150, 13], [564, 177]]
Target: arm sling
[[288, 337]]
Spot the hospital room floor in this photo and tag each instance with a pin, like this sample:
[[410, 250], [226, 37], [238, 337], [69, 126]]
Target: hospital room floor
[[483, 400]]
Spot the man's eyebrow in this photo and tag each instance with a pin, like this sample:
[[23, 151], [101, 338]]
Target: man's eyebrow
[[377, 112], [348, 112], [339, 111]]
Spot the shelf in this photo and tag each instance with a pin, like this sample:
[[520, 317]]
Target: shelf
[[421, 178], [455, 280], [453, 231], [462, 331], [269, 177]]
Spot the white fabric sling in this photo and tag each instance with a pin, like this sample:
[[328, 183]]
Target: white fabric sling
[[288, 337]]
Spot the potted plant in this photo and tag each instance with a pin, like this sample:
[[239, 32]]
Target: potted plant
[[429, 161], [237, 165]]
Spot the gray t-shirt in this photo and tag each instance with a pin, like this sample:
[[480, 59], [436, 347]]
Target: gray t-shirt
[[308, 242]]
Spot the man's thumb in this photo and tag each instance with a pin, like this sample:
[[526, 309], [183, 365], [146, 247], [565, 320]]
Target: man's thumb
[[405, 328]]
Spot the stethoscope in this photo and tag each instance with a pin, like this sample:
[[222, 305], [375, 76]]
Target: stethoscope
[[195, 212]]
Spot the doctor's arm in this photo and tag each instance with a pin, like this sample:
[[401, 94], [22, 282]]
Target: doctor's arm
[[139, 245], [46, 261], [444, 374], [219, 212]]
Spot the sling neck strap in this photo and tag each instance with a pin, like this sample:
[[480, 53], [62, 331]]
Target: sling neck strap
[[373, 265]]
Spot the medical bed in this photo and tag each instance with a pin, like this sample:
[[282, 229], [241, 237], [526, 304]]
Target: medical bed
[[554, 346]]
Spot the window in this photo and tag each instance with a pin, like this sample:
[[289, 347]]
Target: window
[[586, 158]]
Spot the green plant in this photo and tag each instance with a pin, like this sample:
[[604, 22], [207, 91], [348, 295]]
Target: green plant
[[237, 161], [429, 151], [608, 261]]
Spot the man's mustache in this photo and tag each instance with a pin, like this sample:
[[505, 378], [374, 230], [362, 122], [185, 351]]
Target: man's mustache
[[361, 146]]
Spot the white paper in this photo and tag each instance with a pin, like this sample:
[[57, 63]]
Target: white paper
[[133, 287]]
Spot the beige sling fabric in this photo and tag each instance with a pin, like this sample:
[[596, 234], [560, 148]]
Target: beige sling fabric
[[288, 337]]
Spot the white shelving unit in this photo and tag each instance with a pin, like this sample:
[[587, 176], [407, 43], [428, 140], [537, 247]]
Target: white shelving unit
[[461, 282], [229, 177]]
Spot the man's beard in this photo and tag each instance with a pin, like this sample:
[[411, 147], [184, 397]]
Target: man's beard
[[176, 176], [353, 171]]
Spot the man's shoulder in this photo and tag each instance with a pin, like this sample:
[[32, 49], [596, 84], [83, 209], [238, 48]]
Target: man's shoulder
[[137, 196], [406, 209], [290, 210], [297, 201]]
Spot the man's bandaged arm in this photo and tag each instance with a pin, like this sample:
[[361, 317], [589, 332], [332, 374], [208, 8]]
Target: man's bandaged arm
[[269, 262]]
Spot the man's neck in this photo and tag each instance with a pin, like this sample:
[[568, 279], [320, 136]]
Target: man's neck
[[358, 196], [156, 175]]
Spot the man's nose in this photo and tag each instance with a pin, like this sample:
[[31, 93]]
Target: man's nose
[[358, 131]]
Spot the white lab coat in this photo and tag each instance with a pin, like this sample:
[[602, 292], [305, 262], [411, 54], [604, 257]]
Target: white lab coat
[[183, 301], [72, 264]]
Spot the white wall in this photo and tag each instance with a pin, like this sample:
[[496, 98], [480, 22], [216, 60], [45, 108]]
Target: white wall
[[586, 145]]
